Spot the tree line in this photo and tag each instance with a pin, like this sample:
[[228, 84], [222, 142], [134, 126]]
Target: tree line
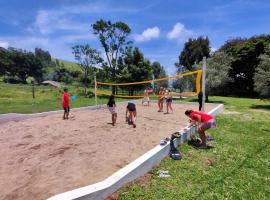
[[240, 67]]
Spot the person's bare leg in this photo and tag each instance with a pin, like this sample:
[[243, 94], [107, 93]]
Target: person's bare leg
[[170, 106], [113, 119], [158, 105], [167, 108], [67, 115], [134, 115], [202, 136], [161, 106]]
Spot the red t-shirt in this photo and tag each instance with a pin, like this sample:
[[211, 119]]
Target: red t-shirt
[[204, 117], [65, 100]]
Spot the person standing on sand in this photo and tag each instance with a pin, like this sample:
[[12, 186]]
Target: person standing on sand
[[160, 99], [146, 96], [65, 103], [168, 101], [111, 106], [204, 121]]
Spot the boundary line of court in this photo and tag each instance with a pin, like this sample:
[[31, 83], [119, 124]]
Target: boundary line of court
[[130, 172]]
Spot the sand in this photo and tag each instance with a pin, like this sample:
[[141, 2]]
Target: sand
[[44, 156]]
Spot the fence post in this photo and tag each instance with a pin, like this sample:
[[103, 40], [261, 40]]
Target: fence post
[[203, 82]]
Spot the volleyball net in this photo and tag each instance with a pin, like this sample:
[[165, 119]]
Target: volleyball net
[[186, 84]]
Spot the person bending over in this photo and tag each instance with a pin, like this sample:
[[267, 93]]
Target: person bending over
[[204, 122], [131, 114], [111, 106]]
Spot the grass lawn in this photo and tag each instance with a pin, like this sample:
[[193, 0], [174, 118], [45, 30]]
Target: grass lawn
[[15, 98], [238, 167]]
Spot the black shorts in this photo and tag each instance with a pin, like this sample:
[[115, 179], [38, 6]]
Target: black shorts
[[131, 107], [169, 100], [66, 109]]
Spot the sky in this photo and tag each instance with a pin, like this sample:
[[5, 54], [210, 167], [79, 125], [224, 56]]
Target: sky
[[159, 28]]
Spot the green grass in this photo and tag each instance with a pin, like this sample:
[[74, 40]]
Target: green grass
[[15, 98], [71, 66], [238, 167]]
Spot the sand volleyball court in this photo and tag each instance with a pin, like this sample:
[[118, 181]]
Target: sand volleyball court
[[44, 156]]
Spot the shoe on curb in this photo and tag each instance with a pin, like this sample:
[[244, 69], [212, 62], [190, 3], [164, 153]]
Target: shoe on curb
[[163, 142], [167, 139]]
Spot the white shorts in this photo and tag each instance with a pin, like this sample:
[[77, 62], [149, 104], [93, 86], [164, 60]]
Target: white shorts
[[112, 109], [145, 99]]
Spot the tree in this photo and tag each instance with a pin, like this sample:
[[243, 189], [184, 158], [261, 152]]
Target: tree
[[159, 72], [194, 51], [217, 73], [112, 37], [133, 67], [87, 58], [262, 74], [4, 61], [245, 53], [24, 64], [44, 56]]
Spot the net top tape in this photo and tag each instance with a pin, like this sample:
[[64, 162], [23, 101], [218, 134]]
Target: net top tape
[[151, 81]]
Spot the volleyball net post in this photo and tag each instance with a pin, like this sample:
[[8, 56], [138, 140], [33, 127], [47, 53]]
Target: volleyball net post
[[203, 82], [95, 90]]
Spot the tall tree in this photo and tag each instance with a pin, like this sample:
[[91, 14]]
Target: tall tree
[[113, 38], [24, 64], [194, 51], [159, 72], [245, 53], [4, 61], [217, 76], [44, 56], [87, 58], [262, 74]]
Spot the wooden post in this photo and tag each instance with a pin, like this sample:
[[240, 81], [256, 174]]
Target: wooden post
[[95, 90], [33, 89], [203, 83]]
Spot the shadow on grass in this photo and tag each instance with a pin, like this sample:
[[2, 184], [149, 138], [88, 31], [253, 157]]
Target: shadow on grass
[[222, 178], [265, 107]]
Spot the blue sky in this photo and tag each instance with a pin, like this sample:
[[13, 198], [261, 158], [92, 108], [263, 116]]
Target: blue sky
[[159, 28]]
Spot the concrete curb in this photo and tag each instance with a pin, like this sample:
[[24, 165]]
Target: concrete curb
[[135, 169]]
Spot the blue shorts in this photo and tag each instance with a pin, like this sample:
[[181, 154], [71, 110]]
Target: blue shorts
[[66, 109]]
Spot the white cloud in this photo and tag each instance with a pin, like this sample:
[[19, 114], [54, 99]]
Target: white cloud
[[4, 44], [50, 21], [179, 33], [148, 34]]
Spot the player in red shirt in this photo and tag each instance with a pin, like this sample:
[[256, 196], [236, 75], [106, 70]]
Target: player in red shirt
[[205, 122], [65, 103]]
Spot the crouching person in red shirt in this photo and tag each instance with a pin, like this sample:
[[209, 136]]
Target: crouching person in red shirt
[[205, 122], [65, 103]]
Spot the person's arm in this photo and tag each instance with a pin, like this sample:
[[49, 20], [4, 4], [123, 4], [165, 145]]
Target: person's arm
[[197, 118]]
